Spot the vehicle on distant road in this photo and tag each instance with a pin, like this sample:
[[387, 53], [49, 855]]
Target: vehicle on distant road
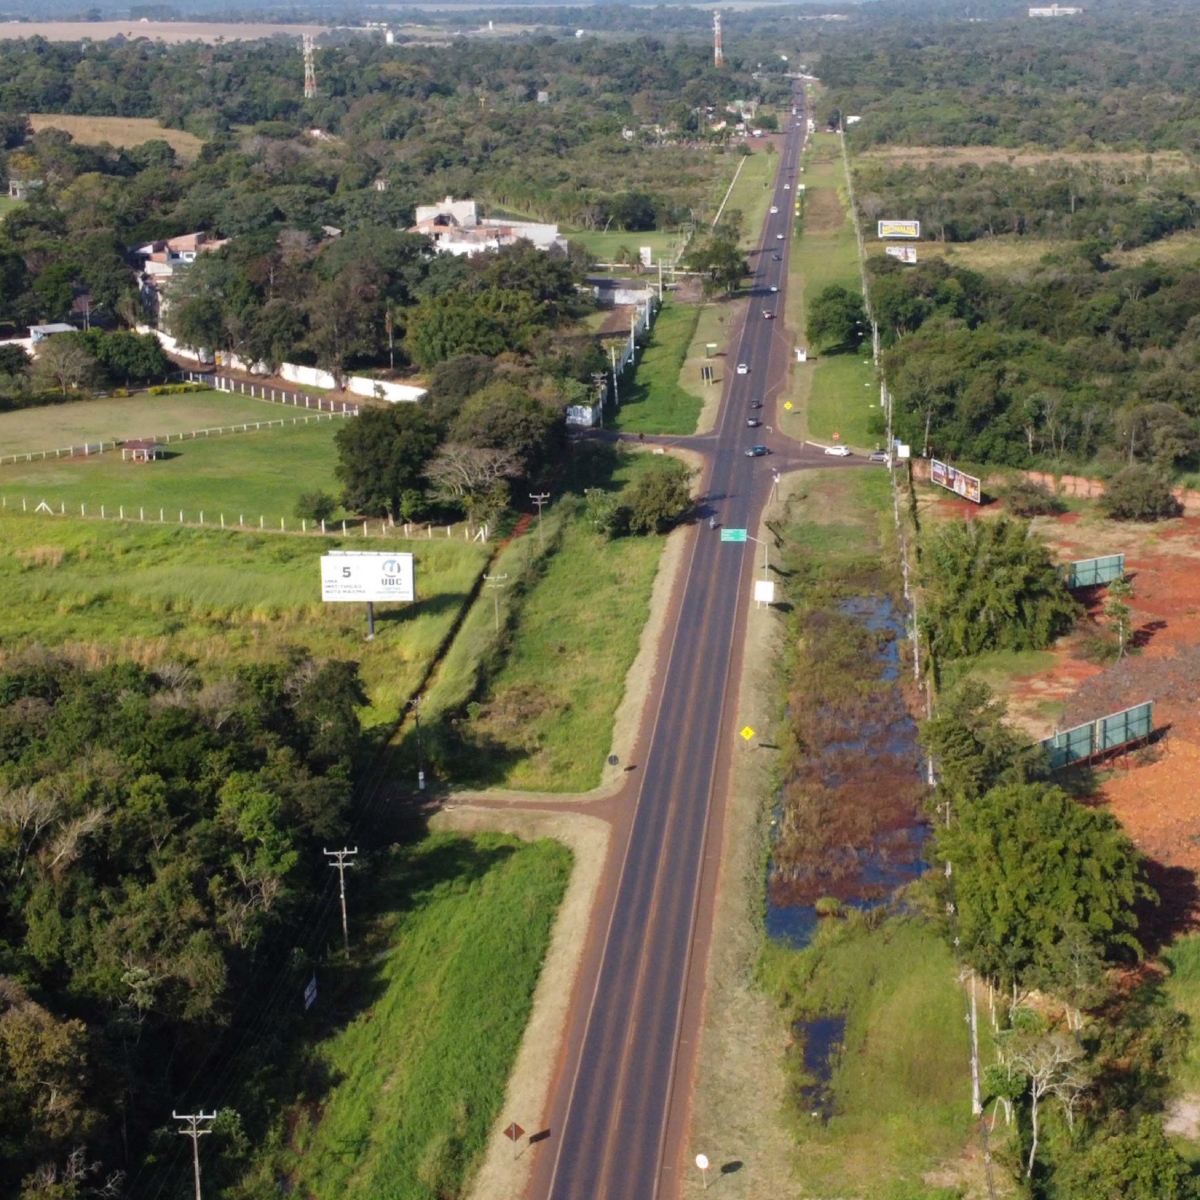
[[779, 237], [742, 369], [774, 210], [756, 404], [768, 314], [787, 187], [838, 451], [877, 456], [757, 451], [774, 288], [753, 422], [775, 257]]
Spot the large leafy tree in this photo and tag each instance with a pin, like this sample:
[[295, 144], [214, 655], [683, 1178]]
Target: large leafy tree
[[990, 585], [382, 454], [1032, 868], [836, 318]]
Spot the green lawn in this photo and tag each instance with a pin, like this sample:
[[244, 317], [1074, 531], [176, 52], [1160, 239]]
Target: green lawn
[[901, 1084], [844, 399], [397, 1102], [540, 695], [109, 590], [57, 426], [605, 245], [244, 474], [751, 195], [654, 402], [828, 394], [7, 205]]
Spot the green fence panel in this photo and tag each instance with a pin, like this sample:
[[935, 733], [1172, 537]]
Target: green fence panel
[[1090, 572], [1084, 741]]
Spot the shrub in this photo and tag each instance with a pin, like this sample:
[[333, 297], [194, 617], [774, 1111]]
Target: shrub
[[315, 506], [176, 389], [1139, 493], [660, 498], [1024, 498]]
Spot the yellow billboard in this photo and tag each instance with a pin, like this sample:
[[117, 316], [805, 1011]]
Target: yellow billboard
[[899, 229]]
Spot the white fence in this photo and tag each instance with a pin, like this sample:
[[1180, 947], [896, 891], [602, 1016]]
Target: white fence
[[350, 527], [165, 439], [261, 391]]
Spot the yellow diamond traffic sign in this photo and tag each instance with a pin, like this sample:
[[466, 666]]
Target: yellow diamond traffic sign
[[788, 405], [747, 733]]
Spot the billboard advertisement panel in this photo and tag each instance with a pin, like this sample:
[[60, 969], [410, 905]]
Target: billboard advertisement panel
[[899, 229], [966, 486], [358, 575], [906, 254]]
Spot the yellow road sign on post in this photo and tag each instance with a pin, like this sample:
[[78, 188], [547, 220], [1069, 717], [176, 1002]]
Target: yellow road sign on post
[[747, 733], [787, 404]]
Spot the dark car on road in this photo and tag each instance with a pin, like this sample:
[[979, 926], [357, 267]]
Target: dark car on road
[[756, 404], [757, 451]]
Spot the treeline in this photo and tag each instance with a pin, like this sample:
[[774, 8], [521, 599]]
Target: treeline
[[460, 119], [1118, 207], [1074, 362], [160, 853], [1113, 78]]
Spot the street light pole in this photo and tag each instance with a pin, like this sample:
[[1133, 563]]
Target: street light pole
[[415, 705]]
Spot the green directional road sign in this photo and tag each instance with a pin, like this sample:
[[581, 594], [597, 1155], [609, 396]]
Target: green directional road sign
[[733, 535]]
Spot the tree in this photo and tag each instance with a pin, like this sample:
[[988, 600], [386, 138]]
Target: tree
[[382, 454], [660, 497], [504, 416], [62, 360], [1139, 493], [1053, 1063], [974, 748], [1031, 867], [315, 506], [474, 477], [442, 327], [128, 357], [720, 260], [1119, 614], [1140, 1164], [837, 318], [991, 586]]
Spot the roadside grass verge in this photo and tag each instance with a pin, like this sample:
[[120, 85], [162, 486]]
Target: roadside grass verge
[[101, 591], [396, 1099], [654, 402], [751, 195], [712, 326], [57, 426], [532, 705], [835, 392], [900, 1085], [605, 245], [255, 474]]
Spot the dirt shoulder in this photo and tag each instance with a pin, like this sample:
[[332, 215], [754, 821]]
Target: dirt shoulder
[[503, 1175]]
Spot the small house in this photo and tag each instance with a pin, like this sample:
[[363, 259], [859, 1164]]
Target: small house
[[19, 189], [39, 333], [140, 450]]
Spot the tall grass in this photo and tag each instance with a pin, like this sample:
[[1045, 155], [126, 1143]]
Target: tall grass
[[655, 403], [113, 589], [398, 1101]]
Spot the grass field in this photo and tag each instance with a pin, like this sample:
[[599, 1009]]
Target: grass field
[[118, 131], [58, 425], [243, 474], [107, 590], [829, 394], [7, 204], [751, 195], [606, 245], [540, 694], [412, 1081], [712, 325], [901, 1084], [655, 402]]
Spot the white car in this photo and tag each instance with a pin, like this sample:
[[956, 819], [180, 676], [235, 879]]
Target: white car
[[774, 209], [787, 187], [838, 451], [742, 369], [774, 288], [779, 237]]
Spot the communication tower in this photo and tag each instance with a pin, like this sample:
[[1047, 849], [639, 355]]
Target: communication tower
[[310, 71], [718, 53]]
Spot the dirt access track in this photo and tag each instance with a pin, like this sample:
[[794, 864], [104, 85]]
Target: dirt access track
[[1154, 791]]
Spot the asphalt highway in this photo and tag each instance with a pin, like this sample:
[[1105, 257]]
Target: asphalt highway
[[611, 1143]]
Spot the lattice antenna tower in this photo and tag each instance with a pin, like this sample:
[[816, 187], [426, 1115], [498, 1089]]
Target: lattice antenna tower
[[310, 70], [718, 53]]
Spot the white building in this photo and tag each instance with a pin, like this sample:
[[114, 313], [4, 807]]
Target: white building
[[160, 261], [455, 227]]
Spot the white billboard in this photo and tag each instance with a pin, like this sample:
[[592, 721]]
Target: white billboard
[[899, 229], [360, 575], [906, 254]]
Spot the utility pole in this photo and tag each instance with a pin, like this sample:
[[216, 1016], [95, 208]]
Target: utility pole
[[192, 1123], [718, 52], [540, 498], [496, 582], [415, 705], [340, 862]]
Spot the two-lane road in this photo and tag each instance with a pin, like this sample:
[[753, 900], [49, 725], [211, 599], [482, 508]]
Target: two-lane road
[[613, 1107]]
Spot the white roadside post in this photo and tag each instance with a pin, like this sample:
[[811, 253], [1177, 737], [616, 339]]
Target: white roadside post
[[702, 1163]]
